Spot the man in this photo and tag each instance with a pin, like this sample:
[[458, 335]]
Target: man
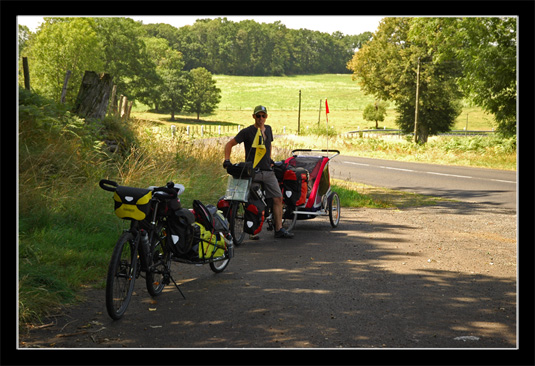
[[257, 140]]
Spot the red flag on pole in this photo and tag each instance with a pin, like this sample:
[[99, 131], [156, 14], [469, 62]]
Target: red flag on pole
[[326, 106]]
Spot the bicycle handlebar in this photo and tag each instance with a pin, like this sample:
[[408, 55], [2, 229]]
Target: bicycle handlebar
[[108, 185], [171, 188]]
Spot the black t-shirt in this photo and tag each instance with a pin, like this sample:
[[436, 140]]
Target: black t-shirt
[[247, 136]]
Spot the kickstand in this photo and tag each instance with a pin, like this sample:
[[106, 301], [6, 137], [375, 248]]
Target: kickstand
[[176, 285]]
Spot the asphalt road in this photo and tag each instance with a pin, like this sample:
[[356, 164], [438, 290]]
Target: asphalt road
[[432, 277], [489, 186]]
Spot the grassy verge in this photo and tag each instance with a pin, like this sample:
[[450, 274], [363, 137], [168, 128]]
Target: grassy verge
[[360, 195]]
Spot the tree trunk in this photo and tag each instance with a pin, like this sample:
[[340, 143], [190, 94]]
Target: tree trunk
[[423, 133], [93, 96]]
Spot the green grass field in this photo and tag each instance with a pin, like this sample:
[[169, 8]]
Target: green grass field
[[240, 94]]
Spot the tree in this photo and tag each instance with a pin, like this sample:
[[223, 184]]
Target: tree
[[386, 68], [375, 112], [62, 44], [125, 55], [485, 50], [203, 95], [174, 82]]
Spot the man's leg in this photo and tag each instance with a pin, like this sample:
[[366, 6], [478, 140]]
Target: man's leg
[[277, 212]]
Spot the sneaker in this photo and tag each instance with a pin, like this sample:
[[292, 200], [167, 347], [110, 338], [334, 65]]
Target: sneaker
[[254, 237], [283, 233]]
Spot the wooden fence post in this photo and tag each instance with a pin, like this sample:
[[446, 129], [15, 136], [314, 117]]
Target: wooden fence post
[[123, 107], [64, 89], [112, 109], [26, 70], [127, 117]]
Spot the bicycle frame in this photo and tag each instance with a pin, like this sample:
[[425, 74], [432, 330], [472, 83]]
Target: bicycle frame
[[134, 252]]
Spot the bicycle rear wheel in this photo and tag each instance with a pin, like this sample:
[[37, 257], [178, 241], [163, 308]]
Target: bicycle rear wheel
[[121, 276], [289, 218], [160, 266]]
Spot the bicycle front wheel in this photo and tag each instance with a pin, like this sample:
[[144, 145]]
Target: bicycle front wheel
[[237, 212], [121, 276]]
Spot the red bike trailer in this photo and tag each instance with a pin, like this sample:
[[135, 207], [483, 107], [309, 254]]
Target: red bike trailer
[[321, 200]]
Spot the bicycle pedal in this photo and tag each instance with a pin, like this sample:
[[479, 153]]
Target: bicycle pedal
[[165, 280]]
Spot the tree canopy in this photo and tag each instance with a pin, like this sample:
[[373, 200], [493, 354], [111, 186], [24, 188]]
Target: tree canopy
[[473, 58], [154, 63], [259, 49]]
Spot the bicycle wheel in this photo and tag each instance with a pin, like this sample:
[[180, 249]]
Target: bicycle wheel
[[219, 266], [334, 209], [121, 276], [160, 265], [237, 212], [288, 219]]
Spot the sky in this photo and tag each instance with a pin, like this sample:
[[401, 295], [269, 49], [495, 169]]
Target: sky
[[348, 25]]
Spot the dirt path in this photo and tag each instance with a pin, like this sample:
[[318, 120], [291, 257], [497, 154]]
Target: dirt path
[[432, 277]]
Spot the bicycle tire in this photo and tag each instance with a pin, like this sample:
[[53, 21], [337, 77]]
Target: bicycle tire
[[237, 212], [219, 266], [334, 209], [159, 267], [121, 276], [288, 223]]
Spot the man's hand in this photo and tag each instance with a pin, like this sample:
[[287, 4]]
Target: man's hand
[[226, 164]]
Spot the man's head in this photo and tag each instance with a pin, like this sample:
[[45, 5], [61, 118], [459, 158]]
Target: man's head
[[260, 115]]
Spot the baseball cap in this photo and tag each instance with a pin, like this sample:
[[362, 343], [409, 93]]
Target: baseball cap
[[260, 108]]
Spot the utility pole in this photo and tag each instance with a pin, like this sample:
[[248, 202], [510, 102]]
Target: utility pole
[[417, 97], [319, 116], [299, 115]]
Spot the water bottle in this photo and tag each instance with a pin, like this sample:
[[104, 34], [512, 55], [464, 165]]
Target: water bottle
[[144, 243], [230, 245]]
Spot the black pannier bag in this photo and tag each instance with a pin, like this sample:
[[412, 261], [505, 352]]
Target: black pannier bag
[[279, 168], [180, 231], [295, 186], [253, 217]]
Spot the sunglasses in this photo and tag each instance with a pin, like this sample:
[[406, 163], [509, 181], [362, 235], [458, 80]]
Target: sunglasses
[[261, 115]]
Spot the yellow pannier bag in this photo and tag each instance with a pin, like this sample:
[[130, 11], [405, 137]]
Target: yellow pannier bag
[[211, 245], [132, 203]]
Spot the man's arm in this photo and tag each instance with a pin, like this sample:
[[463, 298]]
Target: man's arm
[[228, 148]]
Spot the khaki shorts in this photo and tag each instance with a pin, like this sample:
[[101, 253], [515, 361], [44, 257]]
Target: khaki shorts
[[271, 184]]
